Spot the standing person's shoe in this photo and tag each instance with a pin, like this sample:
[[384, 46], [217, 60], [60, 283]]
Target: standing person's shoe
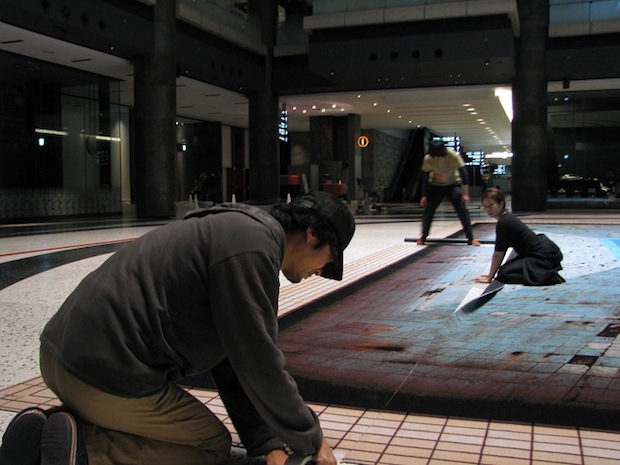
[[62, 442], [420, 241], [21, 442], [473, 242]]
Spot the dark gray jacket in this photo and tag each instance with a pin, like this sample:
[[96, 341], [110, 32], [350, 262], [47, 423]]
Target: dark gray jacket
[[193, 296]]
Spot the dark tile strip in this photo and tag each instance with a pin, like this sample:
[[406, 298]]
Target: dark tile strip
[[16, 270]]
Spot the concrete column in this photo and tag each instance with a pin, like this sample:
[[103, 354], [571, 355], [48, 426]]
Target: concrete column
[[334, 149], [321, 139], [529, 126], [155, 118], [264, 115], [264, 162], [354, 155]]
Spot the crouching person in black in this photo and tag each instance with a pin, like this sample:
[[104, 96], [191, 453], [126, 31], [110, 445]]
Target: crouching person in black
[[537, 260]]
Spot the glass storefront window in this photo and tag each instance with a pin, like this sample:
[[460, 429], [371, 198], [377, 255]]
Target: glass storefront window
[[61, 142], [585, 140]]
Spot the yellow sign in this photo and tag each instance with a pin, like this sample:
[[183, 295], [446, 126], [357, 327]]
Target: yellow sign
[[363, 141]]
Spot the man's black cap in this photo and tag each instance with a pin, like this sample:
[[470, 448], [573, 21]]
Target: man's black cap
[[335, 212], [436, 148]]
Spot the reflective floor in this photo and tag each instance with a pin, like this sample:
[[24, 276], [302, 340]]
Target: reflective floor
[[558, 347]]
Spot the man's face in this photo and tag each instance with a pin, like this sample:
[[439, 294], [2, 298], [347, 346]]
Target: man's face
[[306, 259]]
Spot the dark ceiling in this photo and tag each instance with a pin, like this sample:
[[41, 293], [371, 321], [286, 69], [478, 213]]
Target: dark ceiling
[[418, 72]]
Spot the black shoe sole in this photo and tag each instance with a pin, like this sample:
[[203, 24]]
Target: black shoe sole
[[59, 440], [21, 442]]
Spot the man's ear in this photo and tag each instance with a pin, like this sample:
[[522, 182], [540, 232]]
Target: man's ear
[[311, 237]]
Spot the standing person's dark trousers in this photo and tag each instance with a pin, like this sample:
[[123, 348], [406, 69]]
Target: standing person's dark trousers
[[435, 196]]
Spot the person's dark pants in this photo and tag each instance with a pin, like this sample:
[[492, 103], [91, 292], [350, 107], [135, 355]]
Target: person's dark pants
[[539, 268], [436, 194], [171, 426]]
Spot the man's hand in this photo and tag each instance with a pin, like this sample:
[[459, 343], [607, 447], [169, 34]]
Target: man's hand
[[423, 201], [276, 457], [465, 199], [485, 278], [325, 456]]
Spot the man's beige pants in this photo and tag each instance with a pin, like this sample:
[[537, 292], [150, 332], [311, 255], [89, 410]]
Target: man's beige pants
[[171, 427]]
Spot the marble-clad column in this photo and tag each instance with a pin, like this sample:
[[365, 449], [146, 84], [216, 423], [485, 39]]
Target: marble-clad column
[[155, 118], [529, 126], [264, 114]]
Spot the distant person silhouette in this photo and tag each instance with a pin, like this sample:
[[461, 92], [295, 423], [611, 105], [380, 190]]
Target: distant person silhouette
[[444, 175]]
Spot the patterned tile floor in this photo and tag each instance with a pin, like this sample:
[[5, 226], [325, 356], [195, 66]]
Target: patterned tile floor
[[360, 435]]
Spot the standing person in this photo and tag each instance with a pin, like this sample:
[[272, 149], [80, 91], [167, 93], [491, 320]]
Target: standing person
[[538, 258], [196, 191], [195, 296], [444, 174], [612, 182]]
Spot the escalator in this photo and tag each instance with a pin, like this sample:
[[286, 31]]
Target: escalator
[[406, 179]]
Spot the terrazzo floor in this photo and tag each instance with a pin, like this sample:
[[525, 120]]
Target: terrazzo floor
[[361, 435]]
